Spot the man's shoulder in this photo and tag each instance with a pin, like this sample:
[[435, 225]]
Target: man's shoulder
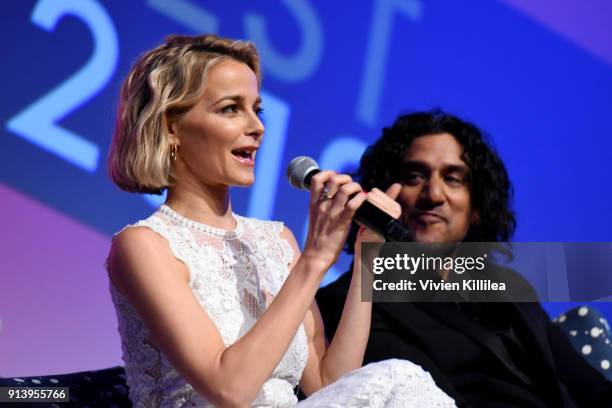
[[516, 287]]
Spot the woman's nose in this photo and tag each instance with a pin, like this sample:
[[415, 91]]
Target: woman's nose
[[256, 127]]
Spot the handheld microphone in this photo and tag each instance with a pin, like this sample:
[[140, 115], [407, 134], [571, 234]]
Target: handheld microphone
[[300, 171]]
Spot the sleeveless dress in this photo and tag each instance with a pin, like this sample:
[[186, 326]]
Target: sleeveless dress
[[235, 275]]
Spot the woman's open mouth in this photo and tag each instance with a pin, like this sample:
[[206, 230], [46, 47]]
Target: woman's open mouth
[[245, 156]]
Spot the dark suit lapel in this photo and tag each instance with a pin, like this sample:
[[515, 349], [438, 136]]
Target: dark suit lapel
[[452, 317], [536, 333]]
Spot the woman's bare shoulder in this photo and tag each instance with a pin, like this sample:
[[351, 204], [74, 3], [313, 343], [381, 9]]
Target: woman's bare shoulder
[[137, 241], [137, 251]]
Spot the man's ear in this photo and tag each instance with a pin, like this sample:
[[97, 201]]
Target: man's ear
[[475, 217]]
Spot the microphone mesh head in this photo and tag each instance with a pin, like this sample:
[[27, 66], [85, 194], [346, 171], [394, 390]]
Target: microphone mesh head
[[297, 170]]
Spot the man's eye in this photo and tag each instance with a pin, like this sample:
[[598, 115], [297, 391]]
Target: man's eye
[[454, 180], [414, 177]]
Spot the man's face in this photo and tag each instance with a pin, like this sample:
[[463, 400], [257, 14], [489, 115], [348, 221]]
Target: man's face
[[435, 197]]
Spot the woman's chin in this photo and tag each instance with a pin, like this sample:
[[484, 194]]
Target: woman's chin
[[244, 181]]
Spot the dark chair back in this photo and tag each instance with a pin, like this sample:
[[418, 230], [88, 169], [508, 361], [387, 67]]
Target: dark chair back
[[99, 388]]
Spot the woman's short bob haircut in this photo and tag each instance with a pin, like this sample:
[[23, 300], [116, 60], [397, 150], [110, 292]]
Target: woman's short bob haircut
[[165, 81]]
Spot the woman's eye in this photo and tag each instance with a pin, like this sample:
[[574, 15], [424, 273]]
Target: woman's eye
[[258, 111], [233, 108]]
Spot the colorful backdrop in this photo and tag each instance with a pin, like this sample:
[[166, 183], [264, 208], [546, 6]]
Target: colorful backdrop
[[535, 74]]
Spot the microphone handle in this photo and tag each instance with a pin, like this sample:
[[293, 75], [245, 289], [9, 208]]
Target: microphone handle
[[374, 218]]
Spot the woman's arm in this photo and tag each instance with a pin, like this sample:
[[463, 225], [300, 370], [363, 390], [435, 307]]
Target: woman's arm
[[346, 351], [155, 283]]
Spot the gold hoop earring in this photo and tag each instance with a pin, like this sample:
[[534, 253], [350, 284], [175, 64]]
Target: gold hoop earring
[[173, 152]]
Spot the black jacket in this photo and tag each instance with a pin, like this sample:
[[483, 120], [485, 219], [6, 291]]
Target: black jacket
[[466, 357]]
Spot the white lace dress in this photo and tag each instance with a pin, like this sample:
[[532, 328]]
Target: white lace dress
[[235, 275]]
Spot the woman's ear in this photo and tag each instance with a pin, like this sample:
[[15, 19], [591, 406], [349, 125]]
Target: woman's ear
[[172, 127]]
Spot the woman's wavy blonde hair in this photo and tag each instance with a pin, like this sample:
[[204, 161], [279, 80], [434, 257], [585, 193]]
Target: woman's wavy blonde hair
[[163, 82]]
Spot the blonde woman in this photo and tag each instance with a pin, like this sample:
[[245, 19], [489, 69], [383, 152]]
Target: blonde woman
[[215, 308]]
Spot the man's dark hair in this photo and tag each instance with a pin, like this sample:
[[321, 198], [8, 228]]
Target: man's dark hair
[[490, 189]]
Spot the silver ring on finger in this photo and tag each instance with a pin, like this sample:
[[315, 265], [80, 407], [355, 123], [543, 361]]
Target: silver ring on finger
[[324, 195]]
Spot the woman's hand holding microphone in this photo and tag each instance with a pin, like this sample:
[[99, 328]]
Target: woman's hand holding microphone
[[334, 199]]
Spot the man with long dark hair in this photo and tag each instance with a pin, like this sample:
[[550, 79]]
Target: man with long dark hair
[[456, 188]]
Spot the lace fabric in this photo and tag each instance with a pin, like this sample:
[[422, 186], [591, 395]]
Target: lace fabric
[[235, 275]]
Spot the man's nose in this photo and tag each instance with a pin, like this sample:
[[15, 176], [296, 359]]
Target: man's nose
[[433, 191]]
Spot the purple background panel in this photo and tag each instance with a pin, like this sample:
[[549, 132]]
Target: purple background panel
[[55, 302], [585, 23]]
